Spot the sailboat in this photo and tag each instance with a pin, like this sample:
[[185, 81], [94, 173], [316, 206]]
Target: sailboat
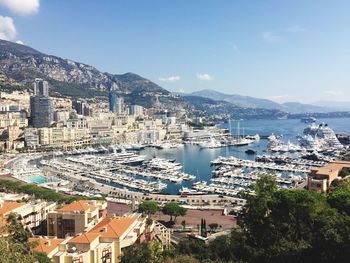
[[240, 141]]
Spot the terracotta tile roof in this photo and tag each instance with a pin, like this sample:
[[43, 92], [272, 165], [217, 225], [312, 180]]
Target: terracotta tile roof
[[46, 245], [331, 170], [81, 206], [7, 207], [85, 238], [113, 227]]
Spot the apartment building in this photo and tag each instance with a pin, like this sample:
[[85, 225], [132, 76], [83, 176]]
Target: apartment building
[[17, 118], [104, 242], [320, 179], [32, 214], [75, 218]]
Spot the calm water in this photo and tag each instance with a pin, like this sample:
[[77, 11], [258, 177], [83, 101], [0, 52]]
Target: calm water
[[196, 161]]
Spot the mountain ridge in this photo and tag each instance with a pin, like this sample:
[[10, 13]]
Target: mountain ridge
[[252, 102], [20, 65]]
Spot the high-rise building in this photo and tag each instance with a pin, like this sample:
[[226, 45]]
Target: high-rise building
[[78, 105], [116, 104], [41, 88], [120, 105], [41, 105], [136, 110], [112, 99]]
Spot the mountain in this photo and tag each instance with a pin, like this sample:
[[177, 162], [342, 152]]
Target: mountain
[[339, 105], [296, 107], [20, 65], [255, 103], [217, 109], [238, 100]]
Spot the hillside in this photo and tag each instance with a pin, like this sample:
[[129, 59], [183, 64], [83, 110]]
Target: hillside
[[20, 65], [251, 102], [209, 107]]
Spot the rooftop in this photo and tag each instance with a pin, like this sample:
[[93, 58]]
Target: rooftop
[[7, 206], [78, 206], [332, 169], [46, 245], [84, 238], [113, 227]]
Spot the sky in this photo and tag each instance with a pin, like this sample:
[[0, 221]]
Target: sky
[[292, 50]]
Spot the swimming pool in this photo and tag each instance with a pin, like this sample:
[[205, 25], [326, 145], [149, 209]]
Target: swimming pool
[[36, 179]]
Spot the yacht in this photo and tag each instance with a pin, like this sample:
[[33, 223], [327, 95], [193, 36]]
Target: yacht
[[136, 147], [210, 144], [308, 119], [241, 142], [255, 137], [187, 191], [165, 145]]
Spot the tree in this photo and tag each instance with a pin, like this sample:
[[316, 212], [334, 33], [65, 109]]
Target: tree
[[339, 196], [203, 228], [181, 259], [148, 207], [183, 223], [173, 209], [150, 252], [213, 226], [14, 245]]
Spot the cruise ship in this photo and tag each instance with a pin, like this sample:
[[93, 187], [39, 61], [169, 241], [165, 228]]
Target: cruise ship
[[324, 134]]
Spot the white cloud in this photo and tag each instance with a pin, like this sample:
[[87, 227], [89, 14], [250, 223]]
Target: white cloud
[[7, 28], [22, 7], [269, 37], [170, 79], [296, 29], [19, 42], [204, 77], [334, 92]]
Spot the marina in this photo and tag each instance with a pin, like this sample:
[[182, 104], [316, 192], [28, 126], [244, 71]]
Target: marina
[[207, 166]]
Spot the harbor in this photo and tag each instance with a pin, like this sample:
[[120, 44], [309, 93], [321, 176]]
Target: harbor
[[178, 168]]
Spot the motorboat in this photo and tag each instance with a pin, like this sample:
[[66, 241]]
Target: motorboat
[[250, 152]]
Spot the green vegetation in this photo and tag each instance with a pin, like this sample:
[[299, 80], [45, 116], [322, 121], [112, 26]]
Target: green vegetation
[[345, 172], [14, 245], [76, 90], [152, 252], [148, 207], [39, 192], [173, 210], [279, 226]]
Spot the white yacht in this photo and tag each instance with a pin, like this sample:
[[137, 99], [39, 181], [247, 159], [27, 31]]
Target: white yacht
[[212, 143], [187, 191]]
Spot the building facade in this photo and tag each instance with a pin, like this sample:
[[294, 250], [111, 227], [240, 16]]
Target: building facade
[[41, 105]]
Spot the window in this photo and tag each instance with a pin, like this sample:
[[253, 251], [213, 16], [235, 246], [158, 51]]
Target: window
[[68, 227], [78, 260], [106, 255], [51, 227]]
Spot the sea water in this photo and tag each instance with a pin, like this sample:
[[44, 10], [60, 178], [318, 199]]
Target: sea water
[[196, 161]]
